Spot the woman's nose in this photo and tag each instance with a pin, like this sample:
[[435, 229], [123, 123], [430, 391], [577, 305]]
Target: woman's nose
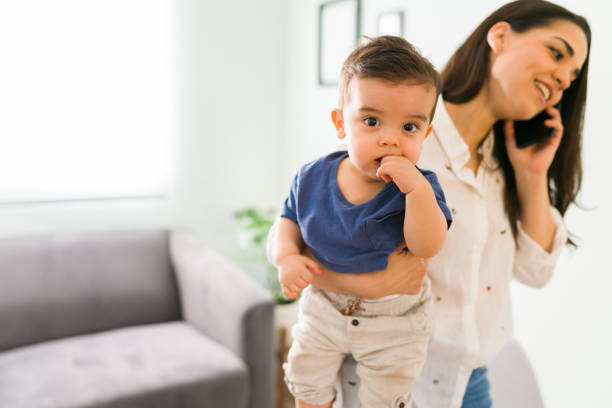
[[562, 77]]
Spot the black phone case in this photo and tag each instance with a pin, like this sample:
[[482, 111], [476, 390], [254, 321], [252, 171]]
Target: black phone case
[[532, 131]]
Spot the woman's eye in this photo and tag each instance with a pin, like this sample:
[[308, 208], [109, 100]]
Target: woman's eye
[[556, 53], [371, 121], [411, 127]]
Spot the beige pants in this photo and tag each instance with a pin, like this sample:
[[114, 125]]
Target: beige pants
[[388, 339]]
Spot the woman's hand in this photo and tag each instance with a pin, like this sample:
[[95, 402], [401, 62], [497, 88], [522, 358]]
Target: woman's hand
[[405, 274], [530, 169], [536, 159]]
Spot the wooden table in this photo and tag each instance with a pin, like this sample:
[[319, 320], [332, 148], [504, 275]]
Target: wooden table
[[284, 399], [285, 316]]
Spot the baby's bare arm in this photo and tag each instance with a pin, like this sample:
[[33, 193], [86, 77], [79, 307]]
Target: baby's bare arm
[[424, 223], [285, 238], [295, 271]]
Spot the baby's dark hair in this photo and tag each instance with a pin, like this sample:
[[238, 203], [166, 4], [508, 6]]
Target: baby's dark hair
[[390, 58]]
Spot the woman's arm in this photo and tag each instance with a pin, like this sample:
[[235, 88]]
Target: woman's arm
[[536, 216], [530, 169], [534, 266]]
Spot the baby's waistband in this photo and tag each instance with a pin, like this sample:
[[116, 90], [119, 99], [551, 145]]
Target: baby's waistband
[[395, 305]]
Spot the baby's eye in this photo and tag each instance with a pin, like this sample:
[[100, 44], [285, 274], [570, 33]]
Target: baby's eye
[[411, 127], [370, 121], [556, 53]]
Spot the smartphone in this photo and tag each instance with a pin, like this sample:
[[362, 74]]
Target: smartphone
[[532, 131]]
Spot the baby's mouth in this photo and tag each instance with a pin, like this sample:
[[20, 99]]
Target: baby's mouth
[[378, 161]]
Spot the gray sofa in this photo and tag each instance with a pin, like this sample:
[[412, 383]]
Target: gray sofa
[[148, 318]]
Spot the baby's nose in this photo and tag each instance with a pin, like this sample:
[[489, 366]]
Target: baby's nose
[[388, 138]]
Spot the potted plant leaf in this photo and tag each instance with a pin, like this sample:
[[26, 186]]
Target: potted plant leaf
[[255, 226]]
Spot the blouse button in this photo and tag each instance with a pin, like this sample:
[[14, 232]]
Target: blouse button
[[355, 322], [502, 232], [448, 167], [453, 211], [436, 381]]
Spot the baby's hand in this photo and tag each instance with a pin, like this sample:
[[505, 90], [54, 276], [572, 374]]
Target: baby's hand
[[295, 272], [403, 173]]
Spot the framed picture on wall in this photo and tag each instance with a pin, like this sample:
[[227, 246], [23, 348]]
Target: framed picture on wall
[[383, 17], [339, 31]]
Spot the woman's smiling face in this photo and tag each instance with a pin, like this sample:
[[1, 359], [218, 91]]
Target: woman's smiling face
[[530, 70]]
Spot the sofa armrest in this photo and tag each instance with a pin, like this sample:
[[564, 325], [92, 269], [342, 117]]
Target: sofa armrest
[[229, 307]]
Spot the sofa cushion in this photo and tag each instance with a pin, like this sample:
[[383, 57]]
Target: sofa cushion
[[68, 284], [162, 365]]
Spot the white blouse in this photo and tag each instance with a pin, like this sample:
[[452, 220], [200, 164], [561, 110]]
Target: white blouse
[[471, 275]]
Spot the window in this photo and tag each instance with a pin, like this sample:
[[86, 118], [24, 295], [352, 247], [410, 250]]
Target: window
[[87, 100]]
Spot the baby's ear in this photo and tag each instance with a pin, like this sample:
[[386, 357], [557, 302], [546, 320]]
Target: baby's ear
[[429, 129], [338, 122]]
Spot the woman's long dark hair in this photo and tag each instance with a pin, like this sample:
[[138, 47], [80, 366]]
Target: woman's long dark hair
[[467, 70]]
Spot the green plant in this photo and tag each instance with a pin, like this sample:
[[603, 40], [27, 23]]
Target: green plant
[[256, 224]]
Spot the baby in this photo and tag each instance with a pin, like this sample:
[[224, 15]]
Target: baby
[[352, 209]]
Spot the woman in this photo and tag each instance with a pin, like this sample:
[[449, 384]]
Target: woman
[[507, 202]]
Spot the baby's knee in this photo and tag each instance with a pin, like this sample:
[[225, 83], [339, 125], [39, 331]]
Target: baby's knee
[[311, 395], [310, 376]]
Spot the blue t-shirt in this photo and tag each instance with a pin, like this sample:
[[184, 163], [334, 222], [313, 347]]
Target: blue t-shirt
[[345, 237]]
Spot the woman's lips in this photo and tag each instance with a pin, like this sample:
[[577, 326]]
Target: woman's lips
[[544, 91]]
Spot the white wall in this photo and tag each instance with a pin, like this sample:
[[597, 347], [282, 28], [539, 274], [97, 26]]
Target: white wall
[[566, 327], [231, 103], [234, 71]]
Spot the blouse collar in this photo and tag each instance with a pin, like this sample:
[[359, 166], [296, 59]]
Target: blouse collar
[[454, 146]]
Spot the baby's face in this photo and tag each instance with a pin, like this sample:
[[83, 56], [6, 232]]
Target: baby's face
[[381, 119]]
